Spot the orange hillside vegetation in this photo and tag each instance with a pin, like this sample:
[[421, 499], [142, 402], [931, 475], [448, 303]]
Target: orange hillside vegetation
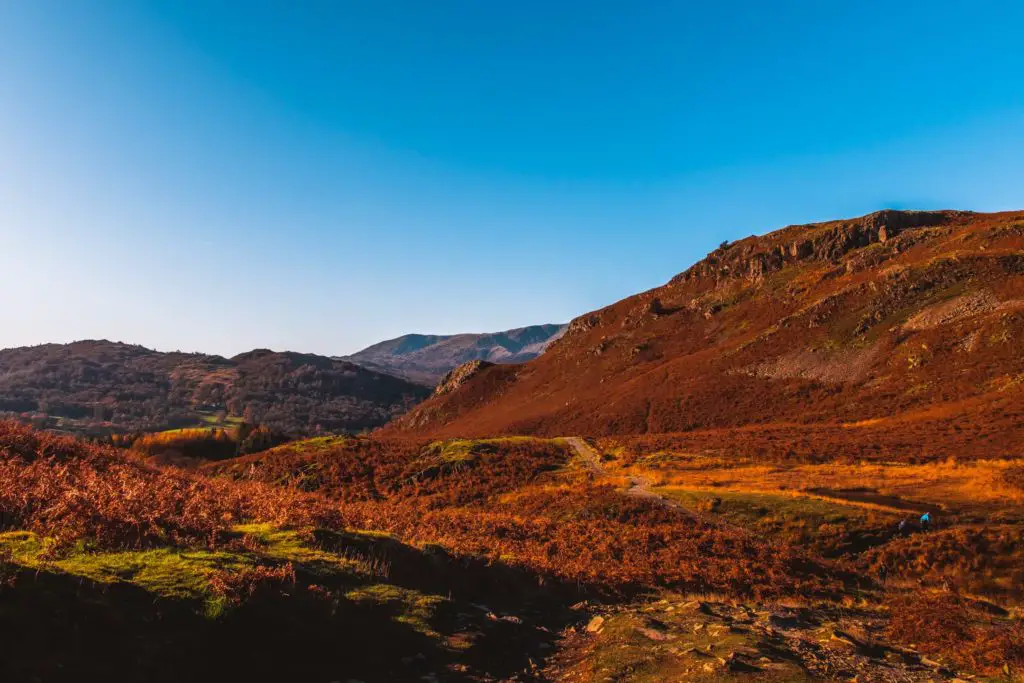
[[896, 323]]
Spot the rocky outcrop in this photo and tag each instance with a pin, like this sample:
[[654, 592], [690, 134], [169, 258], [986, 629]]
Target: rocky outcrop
[[756, 257], [460, 375], [840, 243]]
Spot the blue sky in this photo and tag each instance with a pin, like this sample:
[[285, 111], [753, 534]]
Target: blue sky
[[318, 176]]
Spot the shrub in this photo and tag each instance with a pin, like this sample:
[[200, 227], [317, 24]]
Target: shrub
[[987, 561], [945, 624], [1014, 476], [438, 474], [70, 491], [602, 538], [236, 586]]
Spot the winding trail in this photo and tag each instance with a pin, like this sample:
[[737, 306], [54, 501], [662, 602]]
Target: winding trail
[[589, 459], [639, 487]]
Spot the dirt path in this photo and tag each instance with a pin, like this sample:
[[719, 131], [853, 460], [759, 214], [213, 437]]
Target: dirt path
[[589, 459], [640, 487]]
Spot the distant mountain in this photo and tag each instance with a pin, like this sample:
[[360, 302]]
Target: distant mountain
[[108, 386], [908, 320], [426, 358]]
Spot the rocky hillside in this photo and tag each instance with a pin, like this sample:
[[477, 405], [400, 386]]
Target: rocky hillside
[[425, 359], [107, 386], [898, 315]]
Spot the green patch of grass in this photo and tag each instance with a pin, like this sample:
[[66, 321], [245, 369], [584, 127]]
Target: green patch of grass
[[293, 546], [187, 429], [465, 450], [412, 608], [751, 508], [831, 528], [207, 419], [314, 445], [458, 451], [167, 572], [185, 574]]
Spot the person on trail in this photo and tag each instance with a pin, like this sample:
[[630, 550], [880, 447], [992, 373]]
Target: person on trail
[[926, 521], [902, 528]]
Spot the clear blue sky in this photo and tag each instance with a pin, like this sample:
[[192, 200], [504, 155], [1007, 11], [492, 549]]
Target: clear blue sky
[[318, 176]]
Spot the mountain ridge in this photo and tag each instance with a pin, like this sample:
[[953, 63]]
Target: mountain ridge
[[426, 358]]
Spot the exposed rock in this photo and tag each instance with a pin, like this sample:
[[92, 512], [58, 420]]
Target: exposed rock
[[655, 307], [755, 258], [595, 625], [582, 324], [953, 310], [653, 634], [846, 639], [460, 375]]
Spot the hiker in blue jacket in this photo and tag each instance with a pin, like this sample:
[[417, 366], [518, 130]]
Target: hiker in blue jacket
[[926, 521]]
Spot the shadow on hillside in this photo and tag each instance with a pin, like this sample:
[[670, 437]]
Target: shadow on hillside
[[59, 628], [474, 579], [498, 624], [518, 612]]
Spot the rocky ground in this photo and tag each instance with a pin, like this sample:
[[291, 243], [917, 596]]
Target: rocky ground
[[677, 638]]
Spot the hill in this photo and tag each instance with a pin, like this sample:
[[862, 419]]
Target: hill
[[899, 321], [425, 359], [107, 386]]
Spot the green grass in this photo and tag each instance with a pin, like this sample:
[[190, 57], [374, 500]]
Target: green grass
[[166, 572], [291, 546], [466, 450], [463, 449], [412, 608], [458, 451], [197, 428], [230, 421], [314, 445], [183, 573], [829, 527], [751, 508]]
